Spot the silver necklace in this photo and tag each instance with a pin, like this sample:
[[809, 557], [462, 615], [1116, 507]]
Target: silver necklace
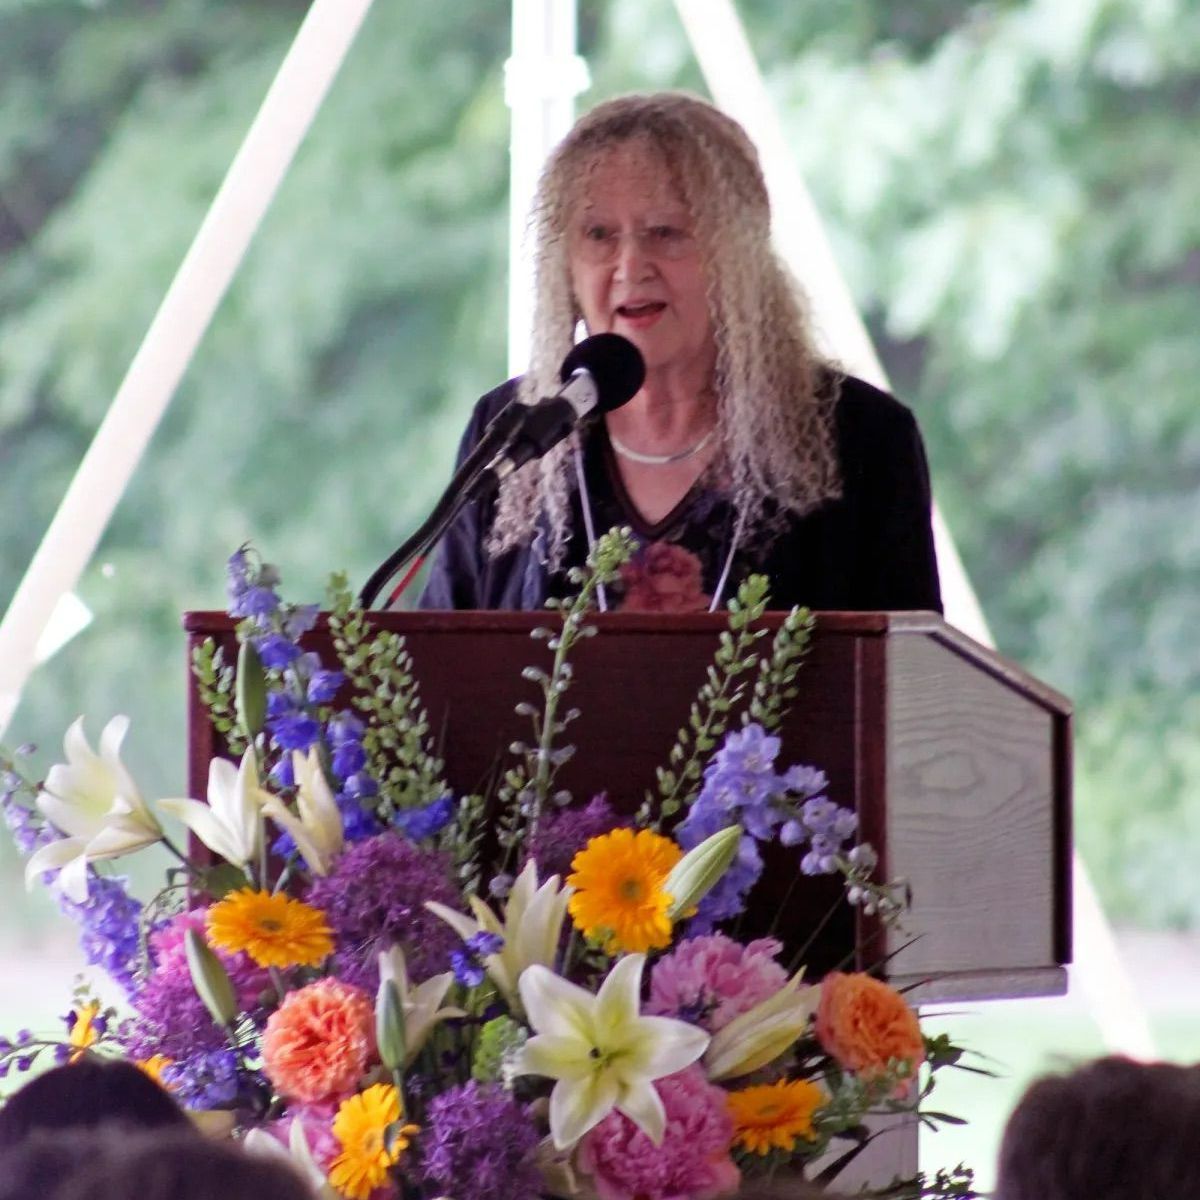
[[660, 460]]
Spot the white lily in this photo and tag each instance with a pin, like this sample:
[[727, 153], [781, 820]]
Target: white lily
[[532, 924], [297, 1154], [316, 825], [762, 1034], [92, 799], [421, 1004], [230, 824], [601, 1050]]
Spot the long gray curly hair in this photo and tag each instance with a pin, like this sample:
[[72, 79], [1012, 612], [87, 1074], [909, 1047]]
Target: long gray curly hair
[[775, 397]]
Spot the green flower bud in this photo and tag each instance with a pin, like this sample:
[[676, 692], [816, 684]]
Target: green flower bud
[[251, 690], [389, 1026], [211, 980], [695, 874]]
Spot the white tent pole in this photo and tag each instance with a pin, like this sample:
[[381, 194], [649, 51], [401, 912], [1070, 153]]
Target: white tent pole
[[295, 95], [541, 81], [731, 72]]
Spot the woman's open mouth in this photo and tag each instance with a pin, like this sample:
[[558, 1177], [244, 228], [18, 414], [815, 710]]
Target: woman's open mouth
[[641, 315]]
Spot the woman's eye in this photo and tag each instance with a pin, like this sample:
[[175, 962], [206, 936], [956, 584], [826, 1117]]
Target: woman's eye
[[666, 233], [597, 233]]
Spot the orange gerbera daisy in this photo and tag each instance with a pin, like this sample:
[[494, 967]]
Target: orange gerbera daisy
[[619, 898], [153, 1066], [368, 1153], [274, 929], [772, 1116]]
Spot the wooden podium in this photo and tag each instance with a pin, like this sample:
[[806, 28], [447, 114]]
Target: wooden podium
[[957, 762]]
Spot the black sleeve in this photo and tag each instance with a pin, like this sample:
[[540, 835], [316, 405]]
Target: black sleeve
[[457, 575], [883, 450]]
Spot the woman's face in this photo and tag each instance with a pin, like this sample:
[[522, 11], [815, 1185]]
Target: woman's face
[[636, 266]]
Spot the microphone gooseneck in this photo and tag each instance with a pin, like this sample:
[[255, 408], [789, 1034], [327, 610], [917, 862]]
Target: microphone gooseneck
[[599, 374]]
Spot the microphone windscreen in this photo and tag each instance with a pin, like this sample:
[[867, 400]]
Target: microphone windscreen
[[615, 364]]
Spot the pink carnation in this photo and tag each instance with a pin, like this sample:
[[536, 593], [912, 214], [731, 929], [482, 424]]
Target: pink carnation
[[693, 1161], [168, 948], [710, 980], [317, 1122]]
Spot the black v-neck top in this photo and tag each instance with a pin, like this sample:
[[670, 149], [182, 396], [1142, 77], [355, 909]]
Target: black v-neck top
[[872, 549]]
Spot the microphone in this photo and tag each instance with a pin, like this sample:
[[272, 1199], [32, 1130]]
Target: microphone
[[600, 374]]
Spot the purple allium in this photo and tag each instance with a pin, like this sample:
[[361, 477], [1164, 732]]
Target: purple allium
[[375, 896], [427, 821], [562, 834], [480, 1142], [172, 1019]]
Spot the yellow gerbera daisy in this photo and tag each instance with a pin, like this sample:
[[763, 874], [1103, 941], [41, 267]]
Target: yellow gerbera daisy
[[773, 1115], [275, 930], [154, 1066], [83, 1032], [619, 898], [361, 1126]]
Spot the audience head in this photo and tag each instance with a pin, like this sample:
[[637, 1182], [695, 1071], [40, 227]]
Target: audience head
[[1112, 1130], [178, 1167], [89, 1092]]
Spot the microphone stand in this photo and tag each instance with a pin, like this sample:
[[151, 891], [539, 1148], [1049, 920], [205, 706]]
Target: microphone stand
[[496, 439]]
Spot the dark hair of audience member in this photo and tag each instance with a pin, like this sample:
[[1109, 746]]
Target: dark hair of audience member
[[86, 1093], [171, 1166], [33, 1168], [1112, 1130]]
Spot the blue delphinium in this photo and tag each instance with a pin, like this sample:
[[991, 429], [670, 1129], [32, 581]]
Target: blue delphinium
[[427, 820], [205, 1079], [742, 787], [298, 685], [109, 921], [467, 963]]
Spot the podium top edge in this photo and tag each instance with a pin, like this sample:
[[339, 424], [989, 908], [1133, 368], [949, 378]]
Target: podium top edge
[[433, 620]]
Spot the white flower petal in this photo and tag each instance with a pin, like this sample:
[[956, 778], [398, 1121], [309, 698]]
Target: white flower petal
[[642, 1104], [556, 1006], [577, 1107], [556, 1056], [53, 857], [73, 879], [661, 1046], [203, 822], [619, 999], [463, 925]]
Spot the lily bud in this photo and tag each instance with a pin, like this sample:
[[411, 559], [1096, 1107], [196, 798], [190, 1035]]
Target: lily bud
[[390, 1033], [761, 1035], [211, 980], [251, 694], [697, 872]]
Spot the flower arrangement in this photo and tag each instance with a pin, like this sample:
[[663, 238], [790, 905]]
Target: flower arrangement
[[418, 994]]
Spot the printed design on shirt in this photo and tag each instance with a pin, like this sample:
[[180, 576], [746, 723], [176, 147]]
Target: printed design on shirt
[[663, 577]]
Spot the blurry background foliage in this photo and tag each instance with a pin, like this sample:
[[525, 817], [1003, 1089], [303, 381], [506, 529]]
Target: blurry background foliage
[[1011, 188]]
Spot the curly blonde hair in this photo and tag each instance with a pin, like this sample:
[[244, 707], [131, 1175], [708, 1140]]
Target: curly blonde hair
[[775, 396]]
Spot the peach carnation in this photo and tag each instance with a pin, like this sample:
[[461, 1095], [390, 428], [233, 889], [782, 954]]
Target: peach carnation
[[318, 1042], [868, 1028]]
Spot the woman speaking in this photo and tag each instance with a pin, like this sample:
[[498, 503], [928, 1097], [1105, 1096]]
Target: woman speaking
[[743, 451]]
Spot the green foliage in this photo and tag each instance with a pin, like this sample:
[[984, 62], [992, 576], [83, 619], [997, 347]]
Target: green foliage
[[528, 784], [380, 669], [723, 688]]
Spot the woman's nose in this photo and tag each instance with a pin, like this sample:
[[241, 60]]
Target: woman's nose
[[632, 260]]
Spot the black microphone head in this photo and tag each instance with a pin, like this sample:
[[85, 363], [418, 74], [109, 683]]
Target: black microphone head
[[613, 362]]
